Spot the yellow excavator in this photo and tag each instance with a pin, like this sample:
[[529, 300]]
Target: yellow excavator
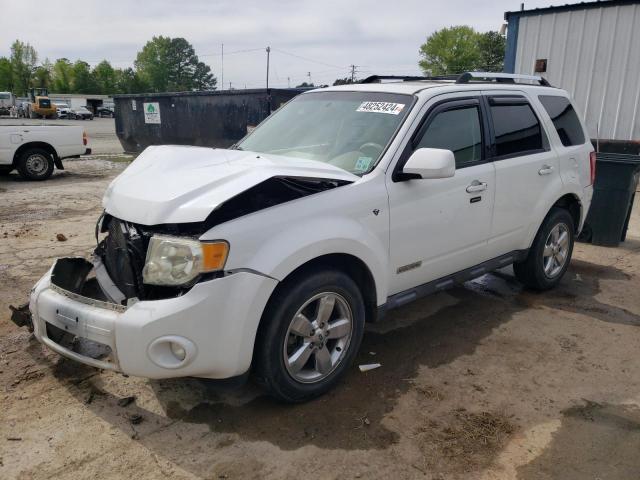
[[40, 104]]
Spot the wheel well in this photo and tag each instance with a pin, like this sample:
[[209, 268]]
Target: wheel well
[[352, 266], [30, 145], [572, 204]]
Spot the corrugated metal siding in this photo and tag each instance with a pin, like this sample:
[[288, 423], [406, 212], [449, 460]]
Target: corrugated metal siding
[[595, 55]]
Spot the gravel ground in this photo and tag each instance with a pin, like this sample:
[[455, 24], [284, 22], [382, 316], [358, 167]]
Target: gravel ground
[[485, 381]]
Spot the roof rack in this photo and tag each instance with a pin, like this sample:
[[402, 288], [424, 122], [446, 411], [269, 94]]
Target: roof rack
[[465, 77], [501, 77], [405, 78]]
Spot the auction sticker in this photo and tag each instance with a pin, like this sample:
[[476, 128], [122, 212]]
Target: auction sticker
[[381, 107]]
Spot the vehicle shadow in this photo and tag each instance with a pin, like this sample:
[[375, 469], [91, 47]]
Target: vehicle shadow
[[336, 420], [351, 417]]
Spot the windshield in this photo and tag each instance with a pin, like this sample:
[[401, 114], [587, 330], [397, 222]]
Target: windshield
[[347, 129]]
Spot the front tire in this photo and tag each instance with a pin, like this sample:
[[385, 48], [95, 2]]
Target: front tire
[[35, 164], [550, 254], [310, 333]]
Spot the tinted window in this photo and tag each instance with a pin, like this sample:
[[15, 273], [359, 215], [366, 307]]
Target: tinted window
[[516, 128], [456, 130], [564, 118]]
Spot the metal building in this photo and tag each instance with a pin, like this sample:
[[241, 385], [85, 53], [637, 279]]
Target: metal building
[[590, 49]]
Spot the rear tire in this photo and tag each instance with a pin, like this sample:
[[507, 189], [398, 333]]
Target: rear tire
[[309, 335], [550, 254], [35, 164]]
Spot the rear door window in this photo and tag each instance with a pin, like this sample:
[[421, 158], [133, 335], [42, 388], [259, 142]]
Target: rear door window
[[516, 128], [457, 130], [564, 118]]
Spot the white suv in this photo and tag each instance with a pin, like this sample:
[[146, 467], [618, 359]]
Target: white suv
[[347, 202]]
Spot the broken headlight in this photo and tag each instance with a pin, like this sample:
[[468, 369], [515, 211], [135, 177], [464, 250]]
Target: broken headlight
[[177, 261]]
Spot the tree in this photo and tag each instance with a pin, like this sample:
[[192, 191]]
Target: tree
[[104, 77], [343, 81], [61, 76], [450, 50], [6, 79], [492, 46], [170, 64], [42, 75], [23, 65], [81, 79], [305, 85], [128, 81]]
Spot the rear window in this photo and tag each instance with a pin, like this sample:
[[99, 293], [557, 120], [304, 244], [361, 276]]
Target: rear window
[[564, 118], [4, 96], [516, 129]]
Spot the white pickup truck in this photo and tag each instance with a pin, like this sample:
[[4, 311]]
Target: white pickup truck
[[34, 150]]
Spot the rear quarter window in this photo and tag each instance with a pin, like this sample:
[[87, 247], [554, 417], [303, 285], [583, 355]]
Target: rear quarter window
[[564, 118]]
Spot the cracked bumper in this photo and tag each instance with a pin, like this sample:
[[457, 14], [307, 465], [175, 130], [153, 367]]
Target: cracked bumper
[[216, 321]]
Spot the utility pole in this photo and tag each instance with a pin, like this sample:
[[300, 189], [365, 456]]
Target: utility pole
[[268, 52], [288, 82], [353, 73], [229, 85], [222, 68]]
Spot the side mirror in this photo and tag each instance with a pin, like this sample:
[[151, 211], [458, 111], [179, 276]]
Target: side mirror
[[431, 163]]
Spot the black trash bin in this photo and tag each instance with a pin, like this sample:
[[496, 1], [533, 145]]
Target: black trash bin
[[614, 190]]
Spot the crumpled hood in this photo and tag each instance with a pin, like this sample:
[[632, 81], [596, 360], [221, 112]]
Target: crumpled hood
[[180, 184]]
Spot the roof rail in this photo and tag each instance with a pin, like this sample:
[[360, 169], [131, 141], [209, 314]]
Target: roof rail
[[405, 78], [501, 77]]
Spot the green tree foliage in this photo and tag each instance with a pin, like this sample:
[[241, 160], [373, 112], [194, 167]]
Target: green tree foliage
[[460, 48], [343, 81], [61, 76], [81, 80], [42, 75], [170, 64], [164, 64], [104, 77], [128, 81], [492, 46], [23, 65], [6, 78]]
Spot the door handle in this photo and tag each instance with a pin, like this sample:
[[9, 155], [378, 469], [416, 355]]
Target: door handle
[[545, 170], [477, 186]]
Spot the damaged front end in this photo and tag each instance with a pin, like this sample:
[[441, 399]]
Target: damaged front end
[[107, 301], [120, 257]]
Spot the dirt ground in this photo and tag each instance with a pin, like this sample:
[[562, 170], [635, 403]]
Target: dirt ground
[[486, 381]]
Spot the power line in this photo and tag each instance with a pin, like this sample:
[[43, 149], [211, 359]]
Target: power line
[[235, 52], [306, 58]]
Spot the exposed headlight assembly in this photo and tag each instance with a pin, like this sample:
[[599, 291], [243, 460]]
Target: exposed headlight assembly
[[177, 261]]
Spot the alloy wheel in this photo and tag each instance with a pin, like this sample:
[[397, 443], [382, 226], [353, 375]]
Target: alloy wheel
[[556, 250], [318, 337]]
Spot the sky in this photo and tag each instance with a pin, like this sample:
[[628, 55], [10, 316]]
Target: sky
[[310, 41]]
